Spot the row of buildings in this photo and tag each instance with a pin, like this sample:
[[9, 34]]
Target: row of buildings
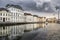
[[12, 13]]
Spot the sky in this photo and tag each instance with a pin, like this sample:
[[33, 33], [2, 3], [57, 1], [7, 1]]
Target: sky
[[34, 6]]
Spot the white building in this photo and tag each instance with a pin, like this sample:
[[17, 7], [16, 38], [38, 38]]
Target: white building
[[35, 18], [17, 16], [28, 17], [5, 15], [17, 13]]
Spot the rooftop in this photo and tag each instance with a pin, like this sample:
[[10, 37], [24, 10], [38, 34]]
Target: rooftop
[[27, 14], [15, 6], [1, 9], [35, 15]]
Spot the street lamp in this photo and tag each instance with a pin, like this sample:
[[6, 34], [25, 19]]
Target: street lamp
[[57, 8]]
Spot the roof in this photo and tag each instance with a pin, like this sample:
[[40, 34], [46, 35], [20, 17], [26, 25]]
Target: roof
[[35, 15], [15, 6], [1, 9], [42, 17], [27, 14]]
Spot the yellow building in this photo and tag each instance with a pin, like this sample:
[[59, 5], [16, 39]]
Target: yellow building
[[52, 20], [42, 19]]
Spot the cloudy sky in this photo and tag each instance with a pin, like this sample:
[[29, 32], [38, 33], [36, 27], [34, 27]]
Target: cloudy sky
[[34, 5]]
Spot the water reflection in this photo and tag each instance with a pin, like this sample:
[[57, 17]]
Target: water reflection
[[43, 32], [19, 29]]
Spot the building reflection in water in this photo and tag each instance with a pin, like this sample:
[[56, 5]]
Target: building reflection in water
[[18, 30]]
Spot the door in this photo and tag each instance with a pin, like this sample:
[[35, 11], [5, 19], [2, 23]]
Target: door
[[3, 19]]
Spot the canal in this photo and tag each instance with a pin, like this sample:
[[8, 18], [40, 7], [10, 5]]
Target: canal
[[42, 31], [49, 32]]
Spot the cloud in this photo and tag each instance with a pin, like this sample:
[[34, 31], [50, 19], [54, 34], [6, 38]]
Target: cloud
[[56, 2], [40, 2], [4, 2], [36, 5]]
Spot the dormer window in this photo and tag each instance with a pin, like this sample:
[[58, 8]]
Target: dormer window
[[0, 14]]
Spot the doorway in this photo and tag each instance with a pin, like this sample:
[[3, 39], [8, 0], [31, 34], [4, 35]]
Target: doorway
[[3, 19]]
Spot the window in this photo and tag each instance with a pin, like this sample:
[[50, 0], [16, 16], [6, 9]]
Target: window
[[12, 8], [16, 17], [14, 14], [3, 14], [0, 14], [6, 18], [0, 18], [18, 10], [6, 14]]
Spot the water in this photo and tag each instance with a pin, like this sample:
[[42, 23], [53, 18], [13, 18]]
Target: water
[[50, 31]]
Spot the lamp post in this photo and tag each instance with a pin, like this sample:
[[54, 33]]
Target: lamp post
[[58, 15], [57, 8]]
